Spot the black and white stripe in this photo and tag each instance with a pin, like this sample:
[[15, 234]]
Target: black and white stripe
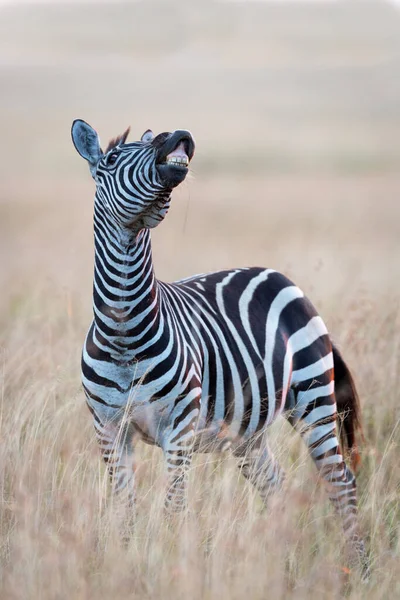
[[208, 362]]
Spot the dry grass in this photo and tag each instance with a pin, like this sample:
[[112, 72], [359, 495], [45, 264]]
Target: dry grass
[[326, 212], [58, 534]]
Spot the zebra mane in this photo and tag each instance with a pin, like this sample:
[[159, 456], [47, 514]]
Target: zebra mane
[[120, 139]]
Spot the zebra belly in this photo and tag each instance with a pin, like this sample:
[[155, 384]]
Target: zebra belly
[[216, 437], [226, 421]]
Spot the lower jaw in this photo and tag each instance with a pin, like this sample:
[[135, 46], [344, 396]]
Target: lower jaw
[[171, 176]]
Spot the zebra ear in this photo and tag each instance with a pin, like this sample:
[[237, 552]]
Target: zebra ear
[[86, 141], [148, 136]]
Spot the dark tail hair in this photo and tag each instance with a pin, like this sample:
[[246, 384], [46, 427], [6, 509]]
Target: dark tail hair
[[348, 407]]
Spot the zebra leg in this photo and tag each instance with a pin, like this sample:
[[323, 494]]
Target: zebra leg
[[314, 416], [178, 449], [116, 445], [260, 467]]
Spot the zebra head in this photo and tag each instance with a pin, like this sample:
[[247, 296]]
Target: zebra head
[[134, 181]]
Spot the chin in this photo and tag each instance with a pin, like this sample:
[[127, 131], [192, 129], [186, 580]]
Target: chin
[[171, 175]]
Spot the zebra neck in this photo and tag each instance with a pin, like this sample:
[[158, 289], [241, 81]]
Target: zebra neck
[[126, 293]]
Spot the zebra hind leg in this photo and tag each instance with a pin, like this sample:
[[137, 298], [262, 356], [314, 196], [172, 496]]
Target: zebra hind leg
[[314, 416], [258, 465]]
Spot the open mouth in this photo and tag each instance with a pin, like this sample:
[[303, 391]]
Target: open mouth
[[174, 156], [178, 157]]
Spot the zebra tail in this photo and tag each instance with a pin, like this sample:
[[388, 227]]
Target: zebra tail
[[349, 409]]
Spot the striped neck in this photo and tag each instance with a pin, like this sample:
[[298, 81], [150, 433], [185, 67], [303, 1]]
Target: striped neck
[[125, 290]]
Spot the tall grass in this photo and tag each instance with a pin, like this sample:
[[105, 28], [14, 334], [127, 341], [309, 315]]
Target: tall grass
[[59, 530]]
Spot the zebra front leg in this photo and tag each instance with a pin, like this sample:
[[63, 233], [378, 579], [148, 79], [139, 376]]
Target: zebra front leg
[[116, 444], [260, 467], [314, 416], [178, 449]]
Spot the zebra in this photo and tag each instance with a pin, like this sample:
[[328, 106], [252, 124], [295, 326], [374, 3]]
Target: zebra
[[206, 363]]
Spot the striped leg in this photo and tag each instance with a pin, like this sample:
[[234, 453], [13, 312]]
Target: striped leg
[[178, 449], [314, 415], [260, 467], [116, 445]]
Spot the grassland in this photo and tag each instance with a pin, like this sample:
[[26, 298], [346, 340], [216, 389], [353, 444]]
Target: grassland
[[297, 117]]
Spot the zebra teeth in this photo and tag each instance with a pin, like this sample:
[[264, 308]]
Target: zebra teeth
[[180, 161], [178, 157]]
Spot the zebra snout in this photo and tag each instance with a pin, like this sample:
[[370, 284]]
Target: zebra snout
[[174, 156]]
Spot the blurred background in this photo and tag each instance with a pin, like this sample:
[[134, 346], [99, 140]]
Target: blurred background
[[295, 108]]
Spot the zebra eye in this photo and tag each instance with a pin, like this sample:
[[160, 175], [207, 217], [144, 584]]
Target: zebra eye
[[111, 159]]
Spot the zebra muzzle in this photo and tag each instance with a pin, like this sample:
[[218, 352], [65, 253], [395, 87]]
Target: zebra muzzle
[[174, 157]]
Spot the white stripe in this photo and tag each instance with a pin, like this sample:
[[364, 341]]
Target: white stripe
[[317, 368], [320, 412], [245, 300], [283, 298], [323, 448], [237, 385], [302, 338], [304, 398]]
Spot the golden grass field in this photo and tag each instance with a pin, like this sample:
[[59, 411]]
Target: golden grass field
[[296, 113]]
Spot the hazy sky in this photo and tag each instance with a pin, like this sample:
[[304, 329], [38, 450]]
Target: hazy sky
[[108, 1], [105, 1]]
